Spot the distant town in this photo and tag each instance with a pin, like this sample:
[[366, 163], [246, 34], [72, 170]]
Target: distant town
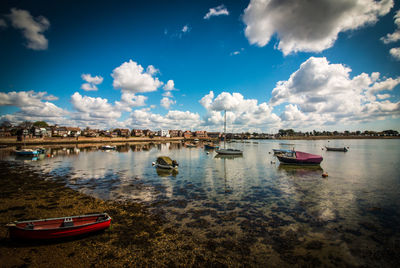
[[41, 129]]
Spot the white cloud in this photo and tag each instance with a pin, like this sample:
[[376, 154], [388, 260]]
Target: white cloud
[[170, 85], [323, 93], [129, 100], [242, 113], [167, 102], [32, 28], [395, 36], [33, 106], [186, 29], [216, 11], [306, 25], [91, 82], [94, 107], [131, 77], [172, 120], [24, 98], [167, 94], [395, 52]]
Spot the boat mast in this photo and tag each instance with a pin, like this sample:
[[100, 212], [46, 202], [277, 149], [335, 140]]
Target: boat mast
[[225, 131]]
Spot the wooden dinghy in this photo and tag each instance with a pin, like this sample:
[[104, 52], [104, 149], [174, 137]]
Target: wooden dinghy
[[64, 227]]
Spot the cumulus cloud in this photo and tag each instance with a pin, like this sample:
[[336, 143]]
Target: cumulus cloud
[[91, 82], [94, 107], [131, 77], [32, 28], [323, 93], [216, 11], [395, 52], [395, 36], [242, 113], [306, 25], [24, 98], [167, 102], [170, 85], [174, 119], [32, 106], [130, 100]]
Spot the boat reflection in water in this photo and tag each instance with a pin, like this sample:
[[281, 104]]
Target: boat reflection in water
[[226, 156], [301, 171], [28, 157], [166, 172]]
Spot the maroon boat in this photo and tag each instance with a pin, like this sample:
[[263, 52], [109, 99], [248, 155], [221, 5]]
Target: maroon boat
[[299, 158], [59, 227]]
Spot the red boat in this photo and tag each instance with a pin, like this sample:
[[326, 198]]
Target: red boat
[[59, 227], [299, 158]]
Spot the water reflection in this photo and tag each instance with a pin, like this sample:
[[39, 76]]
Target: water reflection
[[302, 171], [250, 199]]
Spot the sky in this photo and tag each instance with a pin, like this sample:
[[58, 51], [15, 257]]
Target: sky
[[270, 64]]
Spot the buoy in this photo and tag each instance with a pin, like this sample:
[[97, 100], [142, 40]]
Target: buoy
[[325, 174]]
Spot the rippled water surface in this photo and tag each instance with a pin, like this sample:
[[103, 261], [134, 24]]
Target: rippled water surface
[[285, 213]]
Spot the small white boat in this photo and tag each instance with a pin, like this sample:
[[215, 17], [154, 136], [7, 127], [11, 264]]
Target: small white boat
[[108, 147]]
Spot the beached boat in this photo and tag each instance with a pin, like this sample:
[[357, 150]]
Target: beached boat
[[336, 149], [28, 152], [54, 228], [299, 158], [164, 162], [226, 151], [210, 146], [282, 151], [108, 147]]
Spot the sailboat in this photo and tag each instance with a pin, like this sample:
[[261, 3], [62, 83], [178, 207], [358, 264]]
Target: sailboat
[[226, 151]]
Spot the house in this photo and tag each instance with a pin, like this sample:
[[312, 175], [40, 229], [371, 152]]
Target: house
[[148, 133], [215, 135], [175, 133], [200, 134], [121, 132], [188, 134], [163, 133], [138, 133], [73, 131]]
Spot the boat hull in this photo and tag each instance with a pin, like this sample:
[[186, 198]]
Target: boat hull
[[210, 147], [166, 166], [27, 153], [229, 152], [53, 228], [300, 158], [344, 149]]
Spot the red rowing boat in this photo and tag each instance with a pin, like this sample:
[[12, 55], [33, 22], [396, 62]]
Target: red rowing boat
[[59, 227]]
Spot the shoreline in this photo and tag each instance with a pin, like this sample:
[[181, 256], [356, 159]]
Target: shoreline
[[137, 237], [12, 141]]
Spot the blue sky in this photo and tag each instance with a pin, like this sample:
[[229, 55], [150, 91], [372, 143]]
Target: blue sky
[[325, 65]]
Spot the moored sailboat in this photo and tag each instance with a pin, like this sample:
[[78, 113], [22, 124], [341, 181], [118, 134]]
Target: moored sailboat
[[229, 151]]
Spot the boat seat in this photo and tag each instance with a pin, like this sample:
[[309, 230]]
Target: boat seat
[[68, 222]]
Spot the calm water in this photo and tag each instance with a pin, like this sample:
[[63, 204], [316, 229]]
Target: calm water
[[280, 212]]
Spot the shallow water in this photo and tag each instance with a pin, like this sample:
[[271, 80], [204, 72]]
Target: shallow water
[[252, 204]]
